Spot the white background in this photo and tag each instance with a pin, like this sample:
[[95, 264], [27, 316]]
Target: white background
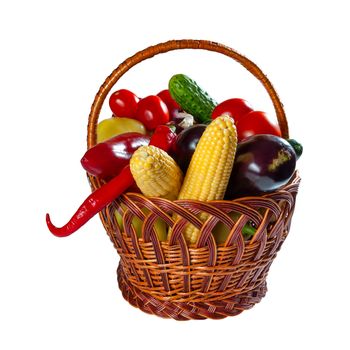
[[62, 293]]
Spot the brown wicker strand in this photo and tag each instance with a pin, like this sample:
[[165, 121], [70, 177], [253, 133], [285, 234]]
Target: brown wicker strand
[[183, 311]]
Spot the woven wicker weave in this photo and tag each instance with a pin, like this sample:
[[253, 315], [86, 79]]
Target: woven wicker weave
[[170, 279]]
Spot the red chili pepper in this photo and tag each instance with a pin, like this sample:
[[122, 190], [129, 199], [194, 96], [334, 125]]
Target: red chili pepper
[[94, 203], [108, 192], [163, 137]]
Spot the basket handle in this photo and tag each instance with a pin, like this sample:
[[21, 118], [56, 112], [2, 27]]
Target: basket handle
[[178, 45]]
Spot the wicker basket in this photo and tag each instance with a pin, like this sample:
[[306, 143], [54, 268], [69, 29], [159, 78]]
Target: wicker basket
[[170, 279]]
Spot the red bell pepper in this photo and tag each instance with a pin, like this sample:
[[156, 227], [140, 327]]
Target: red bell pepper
[[106, 159]]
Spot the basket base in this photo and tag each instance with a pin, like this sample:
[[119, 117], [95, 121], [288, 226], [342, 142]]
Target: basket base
[[183, 311]]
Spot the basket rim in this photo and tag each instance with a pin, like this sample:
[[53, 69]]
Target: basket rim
[[283, 193]]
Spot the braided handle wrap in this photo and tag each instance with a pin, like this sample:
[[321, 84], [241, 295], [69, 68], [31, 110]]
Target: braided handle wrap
[[179, 45]]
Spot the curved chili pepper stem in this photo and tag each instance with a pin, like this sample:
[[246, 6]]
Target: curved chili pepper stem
[[93, 204]]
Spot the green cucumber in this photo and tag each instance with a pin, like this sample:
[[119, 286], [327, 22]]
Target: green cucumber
[[298, 148], [191, 97]]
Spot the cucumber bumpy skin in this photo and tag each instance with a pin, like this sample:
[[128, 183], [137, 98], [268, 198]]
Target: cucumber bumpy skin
[[192, 98]]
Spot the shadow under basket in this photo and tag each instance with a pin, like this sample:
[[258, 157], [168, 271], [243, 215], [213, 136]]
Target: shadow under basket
[[171, 279]]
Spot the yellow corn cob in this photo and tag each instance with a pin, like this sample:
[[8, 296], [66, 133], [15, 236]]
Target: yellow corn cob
[[210, 167], [156, 173]]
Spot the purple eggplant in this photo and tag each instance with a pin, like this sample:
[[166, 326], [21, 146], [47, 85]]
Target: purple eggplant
[[263, 163], [185, 144]]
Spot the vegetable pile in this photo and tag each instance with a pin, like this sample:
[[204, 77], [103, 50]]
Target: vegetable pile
[[182, 144]]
